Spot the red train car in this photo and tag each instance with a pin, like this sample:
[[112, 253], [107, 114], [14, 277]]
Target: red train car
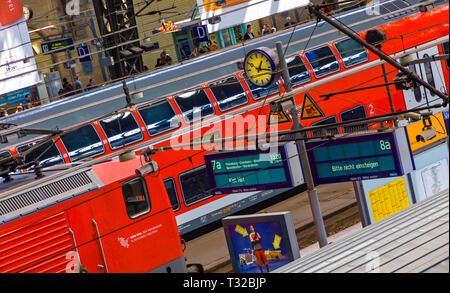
[[100, 218], [208, 111]]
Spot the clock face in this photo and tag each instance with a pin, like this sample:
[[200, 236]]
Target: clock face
[[260, 68]]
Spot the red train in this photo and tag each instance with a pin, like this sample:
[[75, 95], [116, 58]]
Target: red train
[[331, 67]]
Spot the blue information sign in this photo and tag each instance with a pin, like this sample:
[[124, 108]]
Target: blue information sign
[[360, 157], [251, 170]]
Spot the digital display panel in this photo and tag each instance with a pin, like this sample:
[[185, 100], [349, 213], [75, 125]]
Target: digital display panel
[[355, 158], [260, 243], [250, 170]]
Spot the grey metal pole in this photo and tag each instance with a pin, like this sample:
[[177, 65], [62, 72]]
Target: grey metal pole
[[312, 192]]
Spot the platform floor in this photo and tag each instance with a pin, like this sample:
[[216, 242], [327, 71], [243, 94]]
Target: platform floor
[[413, 240]]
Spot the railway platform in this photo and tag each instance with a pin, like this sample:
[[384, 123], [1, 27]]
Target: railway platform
[[413, 240]]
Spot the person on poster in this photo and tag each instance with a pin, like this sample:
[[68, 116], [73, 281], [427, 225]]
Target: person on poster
[[256, 240]]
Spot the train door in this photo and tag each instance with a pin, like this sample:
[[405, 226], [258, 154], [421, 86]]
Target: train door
[[85, 234], [431, 72]]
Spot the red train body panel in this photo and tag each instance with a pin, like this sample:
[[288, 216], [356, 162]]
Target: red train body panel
[[94, 229]]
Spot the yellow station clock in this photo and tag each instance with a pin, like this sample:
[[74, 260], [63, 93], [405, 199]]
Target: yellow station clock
[[260, 66]]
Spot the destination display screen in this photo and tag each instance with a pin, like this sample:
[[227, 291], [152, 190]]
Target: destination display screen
[[244, 171], [355, 158]]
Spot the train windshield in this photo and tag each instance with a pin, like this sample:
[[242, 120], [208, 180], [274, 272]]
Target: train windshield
[[121, 129], [260, 92], [195, 185], [83, 142], [229, 93], [159, 117], [195, 105], [46, 154], [322, 61], [298, 72], [352, 53]]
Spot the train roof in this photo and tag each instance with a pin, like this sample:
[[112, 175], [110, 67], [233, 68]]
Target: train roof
[[26, 194], [83, 107]]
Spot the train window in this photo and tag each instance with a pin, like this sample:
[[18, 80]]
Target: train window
[[195, 185], [172, 192], [47, 154], [445, 49], [298, 72], [322, 61], [83, 142], [328, 131], [229, 93], [351, 114], [159, 117], [4, 154], [135, 194], [260, 92], [195, 105], [429, 73], [121, 129], [352, 53]]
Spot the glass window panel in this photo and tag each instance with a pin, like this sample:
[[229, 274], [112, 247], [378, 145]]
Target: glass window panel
[[429, 73], [322, 61], [195, 185], [229, 93], [195, 105], [352, 53], [260, 92], [83, 142], [48, 152], [298, 72], [121, 129], [416, 90], [159, 117], [172, 192], [328, 131], [351, 114], [136, 197]]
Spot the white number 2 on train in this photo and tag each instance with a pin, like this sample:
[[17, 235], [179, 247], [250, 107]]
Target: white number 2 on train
[[371, 109]]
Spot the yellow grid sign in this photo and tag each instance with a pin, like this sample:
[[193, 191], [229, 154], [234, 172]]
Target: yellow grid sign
[[388, 199]]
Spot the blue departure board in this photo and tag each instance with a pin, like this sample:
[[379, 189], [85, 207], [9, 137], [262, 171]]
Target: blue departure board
[[249, 170], [358, 158]]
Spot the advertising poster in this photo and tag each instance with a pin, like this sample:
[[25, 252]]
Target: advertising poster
[[260, 243]]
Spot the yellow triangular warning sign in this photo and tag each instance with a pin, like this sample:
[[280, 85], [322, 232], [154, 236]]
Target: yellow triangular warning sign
[[310, 109], [278, 117]]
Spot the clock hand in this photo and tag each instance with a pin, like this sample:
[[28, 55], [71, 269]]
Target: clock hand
[[259, 68]]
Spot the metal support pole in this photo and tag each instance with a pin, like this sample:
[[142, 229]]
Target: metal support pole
[[386, 81], [312, 192]]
